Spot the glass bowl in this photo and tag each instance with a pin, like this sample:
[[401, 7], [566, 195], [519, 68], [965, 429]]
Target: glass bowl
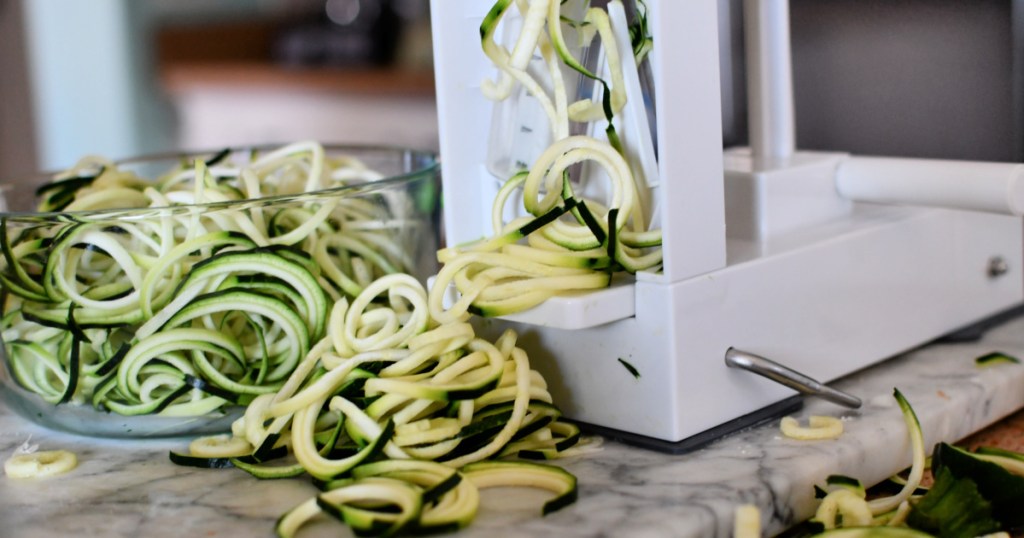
[[141, 302]]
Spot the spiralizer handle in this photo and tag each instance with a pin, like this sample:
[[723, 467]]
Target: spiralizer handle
[[975, 186]]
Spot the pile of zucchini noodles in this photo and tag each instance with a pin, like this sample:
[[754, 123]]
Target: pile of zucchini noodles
[[572, 243], [206, 295], [397, 419]]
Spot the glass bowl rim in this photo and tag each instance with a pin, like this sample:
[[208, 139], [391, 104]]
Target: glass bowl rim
[[431, 167]]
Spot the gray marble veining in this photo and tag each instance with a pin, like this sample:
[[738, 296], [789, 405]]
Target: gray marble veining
[[129, 488]]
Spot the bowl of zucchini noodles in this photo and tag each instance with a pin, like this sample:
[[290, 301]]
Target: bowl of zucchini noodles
[[158, 296]]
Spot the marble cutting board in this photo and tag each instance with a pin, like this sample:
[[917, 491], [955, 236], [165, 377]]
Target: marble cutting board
[[129, 488]]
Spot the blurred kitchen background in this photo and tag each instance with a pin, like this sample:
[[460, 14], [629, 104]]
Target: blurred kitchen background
[[927, 78], [125, 77]]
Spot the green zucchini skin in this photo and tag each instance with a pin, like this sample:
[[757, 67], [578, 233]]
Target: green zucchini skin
[[1004, 490], [873, 532]]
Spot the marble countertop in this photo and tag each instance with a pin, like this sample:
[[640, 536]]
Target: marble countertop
[[129, 488]]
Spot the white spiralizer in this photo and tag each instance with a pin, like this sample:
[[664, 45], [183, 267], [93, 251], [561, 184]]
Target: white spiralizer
[[823, 262]]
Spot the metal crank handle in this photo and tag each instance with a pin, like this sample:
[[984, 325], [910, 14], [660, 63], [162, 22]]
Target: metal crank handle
[[735, 358]]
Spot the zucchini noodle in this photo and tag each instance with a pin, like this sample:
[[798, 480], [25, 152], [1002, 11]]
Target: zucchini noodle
[[844, 505], [198, 290], [847, 504], [574, 243]]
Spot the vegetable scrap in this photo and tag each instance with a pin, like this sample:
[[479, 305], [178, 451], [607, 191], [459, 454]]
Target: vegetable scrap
[[629, 368], [818, 428], [996, 357], [30, 462]]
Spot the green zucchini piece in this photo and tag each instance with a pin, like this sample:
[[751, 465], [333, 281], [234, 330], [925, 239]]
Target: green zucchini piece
[[953, 508], [1000, 487], [996, 357], [629, 368], [218, 157], [186, 460]]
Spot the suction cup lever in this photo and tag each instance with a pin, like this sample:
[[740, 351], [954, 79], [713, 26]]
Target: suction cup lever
[[735, 358]]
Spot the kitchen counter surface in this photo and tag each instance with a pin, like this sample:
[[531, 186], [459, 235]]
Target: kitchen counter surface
[[129, 488], [185, 77]]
